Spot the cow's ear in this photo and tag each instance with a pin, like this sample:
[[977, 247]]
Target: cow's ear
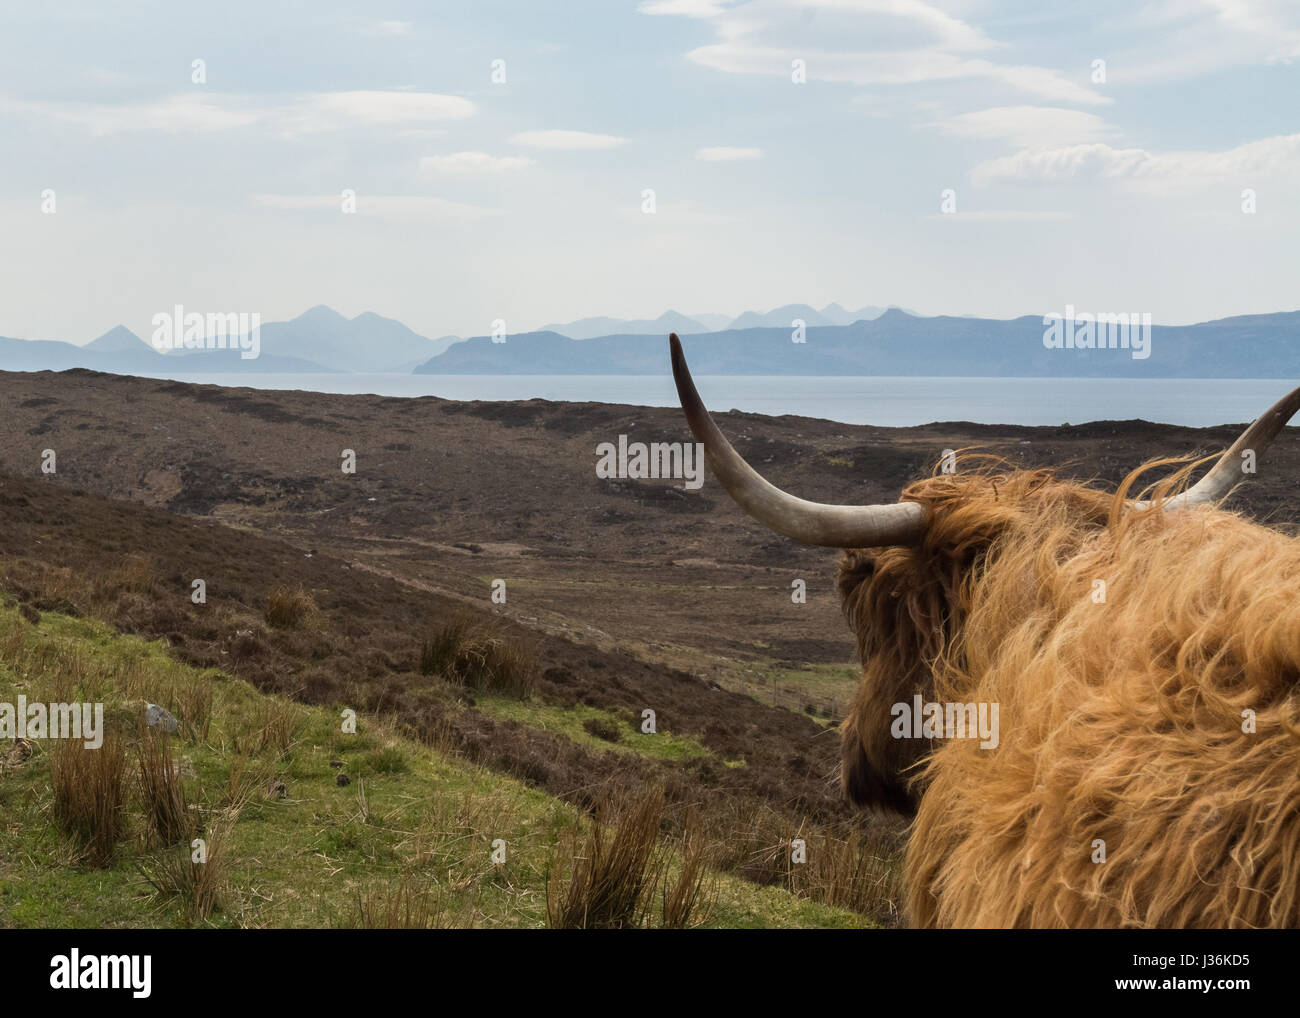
[[856, 568]]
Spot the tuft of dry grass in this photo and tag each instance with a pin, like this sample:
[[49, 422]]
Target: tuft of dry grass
[[162, 790], [857, 865], [291, 608], [89, 788], [407, 904], [858, 870], [135, 574], [274, 727], [688, 899], [193, 706], [611, 872], [480, 656], [198, 869]]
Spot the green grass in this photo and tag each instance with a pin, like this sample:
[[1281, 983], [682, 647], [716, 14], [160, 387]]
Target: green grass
[[567, 721], [305, 856]]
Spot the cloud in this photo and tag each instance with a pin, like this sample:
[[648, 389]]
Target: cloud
[[400, 206], [863, 42], [207, 112], [473, 162], [1003, 216], [1027, 126], [331, 111], [185, 113], [727, 153], [686, 8], [566, 140], [1101, 161], [1272, 22]]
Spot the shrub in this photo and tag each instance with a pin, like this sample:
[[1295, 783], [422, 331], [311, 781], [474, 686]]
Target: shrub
[[688, 899], [291, 609], [608, 878], [479, 656], [161, 789], [89, 786], [198, 869], [602, 728]]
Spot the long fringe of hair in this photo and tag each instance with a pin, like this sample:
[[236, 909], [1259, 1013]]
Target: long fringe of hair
[[1146, 667]]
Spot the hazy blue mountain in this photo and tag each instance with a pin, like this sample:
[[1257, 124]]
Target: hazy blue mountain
[[837, 315], [118, 338], [368, 342], [780, 318], [317, 340], [590, 328], [896, 343], [712, 322], [50, 355]]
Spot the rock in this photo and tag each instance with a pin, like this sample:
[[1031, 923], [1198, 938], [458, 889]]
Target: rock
[[157, 717], [342, 780]]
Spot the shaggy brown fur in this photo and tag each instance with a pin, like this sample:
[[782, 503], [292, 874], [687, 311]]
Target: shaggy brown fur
[[1120, 721]]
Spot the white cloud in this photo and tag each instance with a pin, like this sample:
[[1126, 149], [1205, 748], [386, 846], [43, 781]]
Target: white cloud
[[400, 206], [330, 111], [864, 42], [904, 67], [1100, 161], [473, 162], [194, 113], [184, 113], [686, 8], [1273, 22], [566, 140], [727, 153], [1028, 126]]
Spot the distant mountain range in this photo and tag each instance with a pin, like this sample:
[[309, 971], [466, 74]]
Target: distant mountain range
[[322, 340], [869, 341], [368, 342], [669, 321], [318, 340], [686, 325], [897, 343]]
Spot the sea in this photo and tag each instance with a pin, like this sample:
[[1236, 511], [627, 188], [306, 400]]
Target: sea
[[887, 402]]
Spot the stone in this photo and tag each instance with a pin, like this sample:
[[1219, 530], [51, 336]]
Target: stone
[[157, 717]]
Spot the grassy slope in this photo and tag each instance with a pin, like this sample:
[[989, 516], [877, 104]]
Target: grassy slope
[[306, 857]]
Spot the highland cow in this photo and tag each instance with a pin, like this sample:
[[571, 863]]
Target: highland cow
[[1148, 769]]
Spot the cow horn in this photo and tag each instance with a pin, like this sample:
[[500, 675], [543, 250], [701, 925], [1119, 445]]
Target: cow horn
[[831, 526], [1227, 470]]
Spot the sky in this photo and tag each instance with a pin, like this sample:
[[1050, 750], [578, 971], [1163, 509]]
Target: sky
[[540, 161]]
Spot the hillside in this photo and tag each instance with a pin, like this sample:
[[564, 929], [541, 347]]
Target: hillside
[[302, 825], [327, 591]]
